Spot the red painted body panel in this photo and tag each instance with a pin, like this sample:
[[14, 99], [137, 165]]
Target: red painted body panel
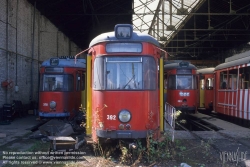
[[175, 99], [66, 101], [231, 102], [209, 96], [143, 104], [139, 103]]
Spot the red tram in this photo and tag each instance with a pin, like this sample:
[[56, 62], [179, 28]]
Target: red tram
[[123, 94], [232, 94], [206, 92], [62, 87], [181, 84]]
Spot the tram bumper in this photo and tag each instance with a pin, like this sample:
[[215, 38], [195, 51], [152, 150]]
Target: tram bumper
[[119, 134], [54, 114], [186, 109]]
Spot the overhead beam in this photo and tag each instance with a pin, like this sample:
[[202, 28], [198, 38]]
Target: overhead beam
[[180, 40], [194, 47], [198, 5], [107, 14], [154, 18], [207, 29]]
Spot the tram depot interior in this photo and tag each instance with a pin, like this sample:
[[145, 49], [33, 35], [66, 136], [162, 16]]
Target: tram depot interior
[[203, 32]]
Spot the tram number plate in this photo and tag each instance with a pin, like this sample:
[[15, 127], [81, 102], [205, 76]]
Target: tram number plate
[[111, 117]]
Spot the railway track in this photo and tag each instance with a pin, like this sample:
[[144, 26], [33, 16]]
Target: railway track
[[237, 121], [226, 145]]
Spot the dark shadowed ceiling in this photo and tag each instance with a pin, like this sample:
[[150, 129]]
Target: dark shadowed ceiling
[[210, 29], [82, 20]]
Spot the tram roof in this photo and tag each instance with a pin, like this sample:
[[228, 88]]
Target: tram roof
[[238, 56], [244, 60], [177, 66], [136, 37], [206, 70], [80, 63]]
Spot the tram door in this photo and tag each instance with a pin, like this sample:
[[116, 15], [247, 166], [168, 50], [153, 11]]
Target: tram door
[[202, 92]]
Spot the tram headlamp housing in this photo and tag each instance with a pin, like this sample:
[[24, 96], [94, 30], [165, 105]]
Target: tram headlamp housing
[[124, 116], [54, 61], [52, 104], [184, 64], [123, 31]]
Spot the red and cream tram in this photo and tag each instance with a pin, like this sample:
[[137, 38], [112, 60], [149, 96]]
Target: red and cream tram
[[206, 92], [180, 80], [62, 87], [232, 94], [123, 94]]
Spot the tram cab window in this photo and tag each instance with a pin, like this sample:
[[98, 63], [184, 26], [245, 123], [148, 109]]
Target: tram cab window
[[182, 82], [56, 82], [124, 73]]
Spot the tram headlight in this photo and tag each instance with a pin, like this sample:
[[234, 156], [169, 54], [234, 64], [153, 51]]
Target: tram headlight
[[52, 104], [124, 116], [121, 126], [128, 126]]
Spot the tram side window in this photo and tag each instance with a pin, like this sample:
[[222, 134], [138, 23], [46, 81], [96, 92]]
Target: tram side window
[[80, 82], [98, 79], [165, 81], [244, 78], [223, 80], [172, 82], [232, 79], [209, 83], [83, 82], [202, 87], [149, 70]]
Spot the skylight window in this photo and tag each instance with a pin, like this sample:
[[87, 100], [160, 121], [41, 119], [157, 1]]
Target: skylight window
[[161, 18]]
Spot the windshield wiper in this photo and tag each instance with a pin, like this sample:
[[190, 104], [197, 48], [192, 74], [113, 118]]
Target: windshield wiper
[[129, 81]]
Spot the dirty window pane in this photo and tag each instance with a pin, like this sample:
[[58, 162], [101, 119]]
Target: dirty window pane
[[57, 83]]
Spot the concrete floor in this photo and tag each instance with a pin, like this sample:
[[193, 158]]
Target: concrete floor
[[19, 127]]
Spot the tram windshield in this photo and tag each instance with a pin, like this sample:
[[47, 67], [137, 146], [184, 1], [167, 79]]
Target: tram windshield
[[50, 82], [182, 82], [120, 73]]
